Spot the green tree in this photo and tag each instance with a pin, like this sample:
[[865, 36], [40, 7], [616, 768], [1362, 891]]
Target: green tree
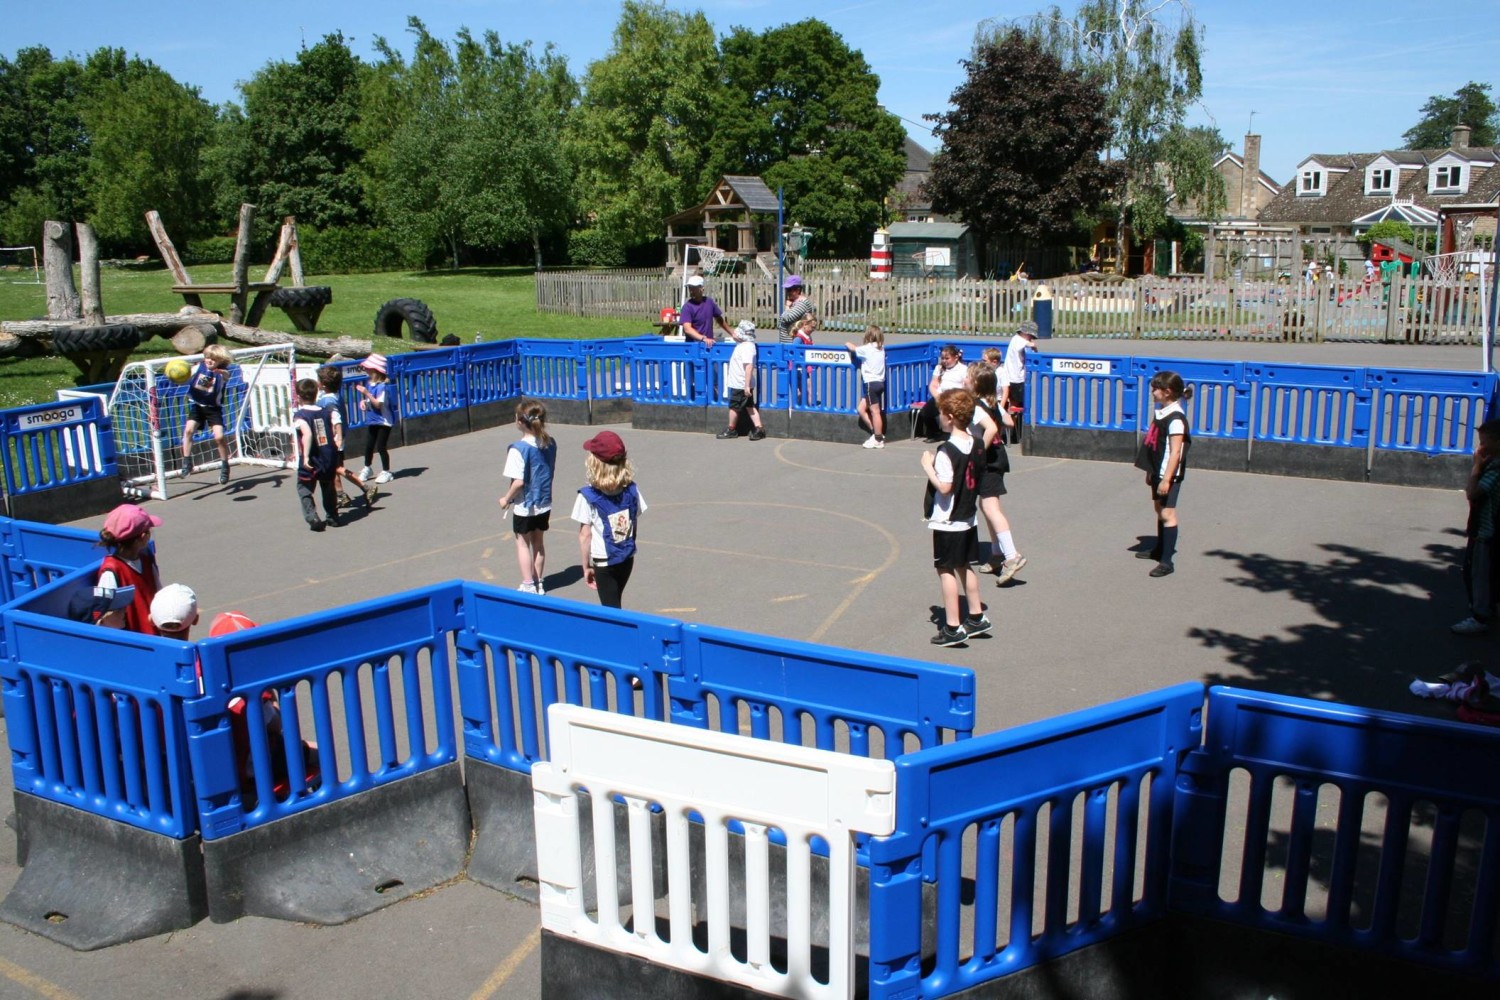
[[1470, 105], [469, 150], [293, 147], [1021, 145], [1387, 230], [645, 126], [146, 134], [1148, 68], [43, 143], [800, 109]]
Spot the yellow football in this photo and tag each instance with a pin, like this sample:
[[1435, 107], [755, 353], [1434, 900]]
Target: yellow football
[[178, 371]]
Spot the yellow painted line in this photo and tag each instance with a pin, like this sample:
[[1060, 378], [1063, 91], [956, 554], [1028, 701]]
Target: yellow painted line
[[675, 611], [788, 597], [916, 474], [484, 571], [508, 967], [32, 982], [489, 551], [747, 555]]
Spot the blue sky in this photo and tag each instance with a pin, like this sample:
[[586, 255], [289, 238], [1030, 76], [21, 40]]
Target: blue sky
[[1320, 77]]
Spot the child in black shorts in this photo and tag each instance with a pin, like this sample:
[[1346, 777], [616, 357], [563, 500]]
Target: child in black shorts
[[953, 475]]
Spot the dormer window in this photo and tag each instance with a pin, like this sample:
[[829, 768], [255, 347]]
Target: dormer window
[[1311, 183], [1378, 180], [1449, 177]]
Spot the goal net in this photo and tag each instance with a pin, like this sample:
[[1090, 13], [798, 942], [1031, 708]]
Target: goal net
[[18, 265], [148, 413]]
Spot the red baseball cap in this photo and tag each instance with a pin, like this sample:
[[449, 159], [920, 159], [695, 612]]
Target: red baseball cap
[[227, 622], [606, 446]]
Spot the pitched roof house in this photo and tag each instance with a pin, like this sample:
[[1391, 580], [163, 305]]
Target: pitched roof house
[[1247, 189], [1345, 193]]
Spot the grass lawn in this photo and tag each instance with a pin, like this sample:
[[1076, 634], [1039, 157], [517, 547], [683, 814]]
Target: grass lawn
[[497, 303]]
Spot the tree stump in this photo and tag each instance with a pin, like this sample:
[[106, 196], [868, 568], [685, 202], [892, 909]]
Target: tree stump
[[192, 339]]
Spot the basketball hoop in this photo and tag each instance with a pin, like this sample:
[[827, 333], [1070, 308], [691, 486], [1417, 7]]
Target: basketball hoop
[[1454, 268]]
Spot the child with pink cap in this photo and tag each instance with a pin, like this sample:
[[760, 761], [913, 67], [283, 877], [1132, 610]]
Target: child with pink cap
[[378, 402], [130, 562]]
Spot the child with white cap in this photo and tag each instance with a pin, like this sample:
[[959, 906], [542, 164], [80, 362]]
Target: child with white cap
[[174, 610], [739, 379]]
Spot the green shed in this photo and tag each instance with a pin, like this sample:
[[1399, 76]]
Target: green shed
[[932, 250]]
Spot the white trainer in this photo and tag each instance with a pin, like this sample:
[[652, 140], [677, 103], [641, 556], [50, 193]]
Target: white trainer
[[366, 473], [871, 443], [384, 477]]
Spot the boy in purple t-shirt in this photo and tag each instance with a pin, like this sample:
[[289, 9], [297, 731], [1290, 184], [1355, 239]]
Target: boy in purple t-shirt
[[699, 313]]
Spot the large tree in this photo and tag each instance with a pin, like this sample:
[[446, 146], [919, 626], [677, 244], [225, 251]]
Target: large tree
[[1022, 144], [645, 127], [43, 143], [292, 151], [800, 109], [1470, 105], [146, 134], [1145, 56], [466, 142]]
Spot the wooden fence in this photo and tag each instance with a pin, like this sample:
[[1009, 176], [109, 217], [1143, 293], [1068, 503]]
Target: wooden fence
[[1407, 310]]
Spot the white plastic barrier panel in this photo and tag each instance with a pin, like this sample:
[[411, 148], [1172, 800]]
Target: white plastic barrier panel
[[722, 777]]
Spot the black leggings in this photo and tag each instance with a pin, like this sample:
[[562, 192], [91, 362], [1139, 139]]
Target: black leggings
[[379, 434], [611, 581]]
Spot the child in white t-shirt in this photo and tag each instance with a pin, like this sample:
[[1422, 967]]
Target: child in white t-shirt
[[871, 355], [739, 379]]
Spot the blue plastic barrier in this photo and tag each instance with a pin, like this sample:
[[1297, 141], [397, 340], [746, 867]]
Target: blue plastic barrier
[[1220, 407], [95, 717], [1308, 404], [552, 369], [56, 444], [772, 389], [823, 696], [386, 660], [1435, 413], [663, 374], [1372, 759], [827, 375], [520, 654], [428, 382], [908, 370], [35, 554], [1082, 391], [1012, 792], [607, 368], [492, 371]]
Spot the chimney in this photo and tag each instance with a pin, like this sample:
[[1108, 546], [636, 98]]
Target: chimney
[[1461, 135], [1250, 178]]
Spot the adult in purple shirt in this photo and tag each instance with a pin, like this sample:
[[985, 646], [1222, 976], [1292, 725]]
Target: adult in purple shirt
[[699, 313]]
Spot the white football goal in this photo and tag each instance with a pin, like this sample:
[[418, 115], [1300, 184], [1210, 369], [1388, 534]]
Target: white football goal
[[149, 412], [19, 265]]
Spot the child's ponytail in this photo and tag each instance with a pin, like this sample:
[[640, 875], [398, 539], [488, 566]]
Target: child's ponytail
[[532, 415]]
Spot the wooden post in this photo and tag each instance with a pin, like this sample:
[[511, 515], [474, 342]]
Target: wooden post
[[283, 245], [168, 251], [88, 261], [239, 299], [294, 256], [57, 257]]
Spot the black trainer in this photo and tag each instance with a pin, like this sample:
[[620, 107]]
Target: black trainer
[[949, 636], [727, 433], [187, 465], [223, 475], [1162, 569], [757, 434], [977, 625], [1153, 554], [315, 525]]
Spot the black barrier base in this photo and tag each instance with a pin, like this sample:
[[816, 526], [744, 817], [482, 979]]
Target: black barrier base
[[501, 413], [90, 882], [1309, 461], [610, 411], [1175, 958], [1403, 468], [1183, 957], [66, 503], [504, 852], [1219, 454], [434, 426], [343, 860], [660, 417], [838, 428], [1074, 442], [572, 970], [563, 411]]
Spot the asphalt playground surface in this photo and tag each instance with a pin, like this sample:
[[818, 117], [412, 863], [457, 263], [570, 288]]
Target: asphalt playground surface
[[1322, 589]]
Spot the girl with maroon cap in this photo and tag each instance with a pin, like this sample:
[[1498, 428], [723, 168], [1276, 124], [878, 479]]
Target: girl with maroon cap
[[606, 511]]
